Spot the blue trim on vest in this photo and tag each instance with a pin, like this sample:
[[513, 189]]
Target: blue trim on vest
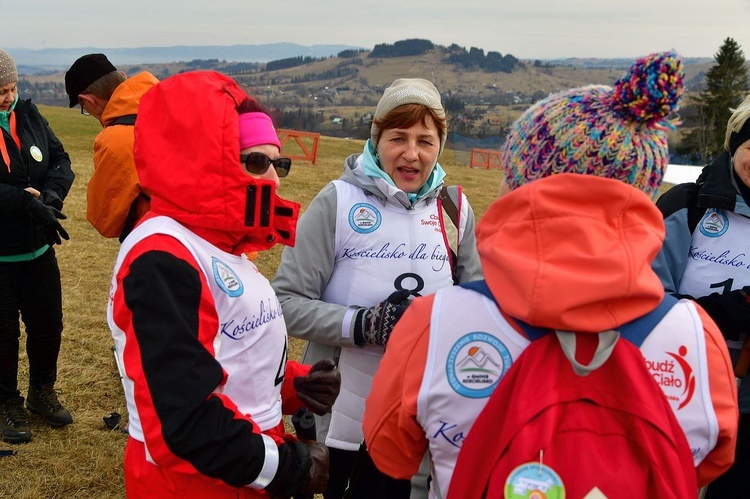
[[635, 331], [480, 287]]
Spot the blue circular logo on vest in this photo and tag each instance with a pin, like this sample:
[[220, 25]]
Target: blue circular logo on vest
[[226, 278], [364, 218], [714, 223], [476, 364]]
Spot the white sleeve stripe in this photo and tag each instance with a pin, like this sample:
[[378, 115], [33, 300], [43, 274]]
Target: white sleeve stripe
[[270, 464], [346, 325]]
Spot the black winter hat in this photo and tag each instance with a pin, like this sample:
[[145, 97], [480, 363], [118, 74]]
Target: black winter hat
[[85, 71]]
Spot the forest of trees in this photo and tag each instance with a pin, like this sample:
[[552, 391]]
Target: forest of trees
[[727, 85], [476, 58], [289, 62], [402, 48]]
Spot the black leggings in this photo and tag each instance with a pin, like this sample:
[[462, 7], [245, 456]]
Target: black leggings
[[735, 482], [364, 480], [33, 289]]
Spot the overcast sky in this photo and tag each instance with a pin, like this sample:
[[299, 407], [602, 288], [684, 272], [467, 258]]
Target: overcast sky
[[528, 29]]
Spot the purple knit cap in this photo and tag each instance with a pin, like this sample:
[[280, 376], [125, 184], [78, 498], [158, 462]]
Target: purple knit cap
[[618, 132]]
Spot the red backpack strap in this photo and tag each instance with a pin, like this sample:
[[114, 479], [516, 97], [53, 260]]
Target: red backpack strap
[[449, 205]]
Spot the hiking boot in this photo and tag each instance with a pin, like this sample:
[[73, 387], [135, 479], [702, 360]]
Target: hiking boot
[[14, 422], [43, 400]]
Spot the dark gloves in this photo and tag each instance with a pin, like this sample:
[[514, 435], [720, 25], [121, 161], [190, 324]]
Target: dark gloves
[[319, 389], [730, 311], [47, 217], [317, 477], [50, 198], [373, 325], [295, 463], [303, 469]]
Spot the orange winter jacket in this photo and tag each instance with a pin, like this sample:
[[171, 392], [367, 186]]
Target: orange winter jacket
[[569, 252], [115, 200]]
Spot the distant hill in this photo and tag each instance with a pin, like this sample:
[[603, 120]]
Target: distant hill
[[335, 90], [46, 60]]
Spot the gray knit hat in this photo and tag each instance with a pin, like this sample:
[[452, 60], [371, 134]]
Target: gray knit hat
[[408, 91], [8, 72]]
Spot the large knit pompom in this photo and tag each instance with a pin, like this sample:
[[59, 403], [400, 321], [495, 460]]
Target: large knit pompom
[[651, 89]]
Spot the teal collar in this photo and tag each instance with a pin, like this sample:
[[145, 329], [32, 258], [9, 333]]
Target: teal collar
[[372, 168]]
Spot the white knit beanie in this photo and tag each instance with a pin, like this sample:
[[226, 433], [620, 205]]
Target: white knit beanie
[[408, 91], [8, 72]]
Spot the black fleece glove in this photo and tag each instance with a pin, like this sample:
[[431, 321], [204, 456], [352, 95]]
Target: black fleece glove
[[50, 198], [319, 389], [317, 477], [730, 311], [373, 326], [47, 217], [303, 468]]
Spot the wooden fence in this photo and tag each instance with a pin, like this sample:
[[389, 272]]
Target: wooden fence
[[299, 145]]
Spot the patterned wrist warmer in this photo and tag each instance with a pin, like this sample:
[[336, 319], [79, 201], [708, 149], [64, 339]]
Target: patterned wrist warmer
[[377, 322]]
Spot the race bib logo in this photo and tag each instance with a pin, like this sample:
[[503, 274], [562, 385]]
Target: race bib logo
[[226, 278], [476, 363], [364, 218], [675, 377], [714, 223]]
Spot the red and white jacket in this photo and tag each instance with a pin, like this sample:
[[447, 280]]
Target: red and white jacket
[[199, 334]]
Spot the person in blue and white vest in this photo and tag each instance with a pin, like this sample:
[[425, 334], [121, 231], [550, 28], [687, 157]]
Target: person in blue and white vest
[[706, 256], [368, 242]]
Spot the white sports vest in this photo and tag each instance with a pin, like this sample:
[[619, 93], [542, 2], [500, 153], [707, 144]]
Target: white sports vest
[[471, 347], [719, 258], [251, 342], [469, 352], [379, 249]]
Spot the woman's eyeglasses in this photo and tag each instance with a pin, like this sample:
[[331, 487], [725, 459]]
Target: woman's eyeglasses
[[257, 163]]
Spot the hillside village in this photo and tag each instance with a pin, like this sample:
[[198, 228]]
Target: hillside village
[[482, 93]]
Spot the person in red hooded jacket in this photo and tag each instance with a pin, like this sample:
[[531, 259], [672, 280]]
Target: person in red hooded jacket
[[198, 330]]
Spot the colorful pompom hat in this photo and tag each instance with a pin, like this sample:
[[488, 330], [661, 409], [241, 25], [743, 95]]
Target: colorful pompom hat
[[616, 132]]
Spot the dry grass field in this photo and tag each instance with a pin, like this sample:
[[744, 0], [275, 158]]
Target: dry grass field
[[84, 460]]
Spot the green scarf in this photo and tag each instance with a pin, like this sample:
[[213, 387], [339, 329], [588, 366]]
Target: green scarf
[[5, 116]]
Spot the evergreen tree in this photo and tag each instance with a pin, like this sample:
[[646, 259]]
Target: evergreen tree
[[726, 85]]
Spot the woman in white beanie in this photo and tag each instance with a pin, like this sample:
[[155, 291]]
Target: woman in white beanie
[[369, 242], [35, 177]]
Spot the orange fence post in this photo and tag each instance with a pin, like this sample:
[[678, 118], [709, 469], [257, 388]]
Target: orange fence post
[[484, 158], [309, 152]]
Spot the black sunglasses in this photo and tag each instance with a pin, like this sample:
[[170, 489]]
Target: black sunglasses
[[257, 163]]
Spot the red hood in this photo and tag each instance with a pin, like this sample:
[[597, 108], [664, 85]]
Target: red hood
[[572, 252], [187, 156]]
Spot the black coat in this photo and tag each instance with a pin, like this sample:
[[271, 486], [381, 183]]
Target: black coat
[[18, 232]]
